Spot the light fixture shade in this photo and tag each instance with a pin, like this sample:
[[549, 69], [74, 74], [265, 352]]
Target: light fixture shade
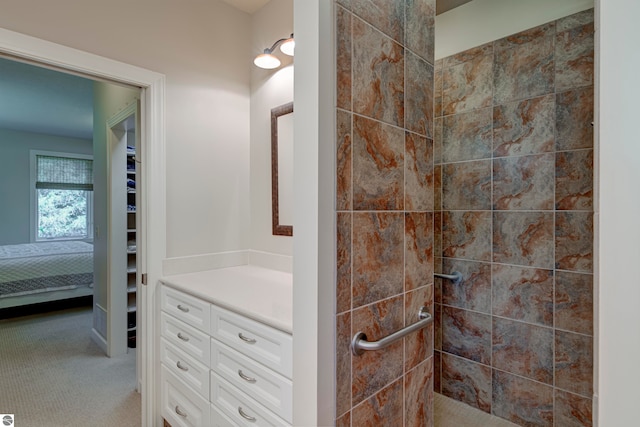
[[266, 61], [288, 46]]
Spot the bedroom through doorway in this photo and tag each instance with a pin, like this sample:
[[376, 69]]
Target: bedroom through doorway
[[56, 261]]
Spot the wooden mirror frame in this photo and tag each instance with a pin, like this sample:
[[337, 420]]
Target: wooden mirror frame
[[277, 228]]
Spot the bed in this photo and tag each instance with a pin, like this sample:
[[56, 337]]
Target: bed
[[48, 271]]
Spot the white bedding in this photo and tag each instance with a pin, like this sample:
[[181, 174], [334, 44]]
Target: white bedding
[[42, 267]]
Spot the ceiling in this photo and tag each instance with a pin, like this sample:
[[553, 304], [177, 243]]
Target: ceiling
[[40, 100], [251, 6], [35, 99]]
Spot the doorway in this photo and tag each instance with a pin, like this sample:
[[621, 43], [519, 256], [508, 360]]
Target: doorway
[[153, 236]]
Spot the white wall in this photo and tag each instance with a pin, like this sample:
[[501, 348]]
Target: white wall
[[15, 204], [269, 89], [203, 49], [481, 21], [617, 208]]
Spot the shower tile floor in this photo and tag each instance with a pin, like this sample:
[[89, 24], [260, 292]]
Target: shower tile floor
[[451, 413]]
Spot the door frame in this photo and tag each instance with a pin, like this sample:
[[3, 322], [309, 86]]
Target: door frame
[[152, 136]]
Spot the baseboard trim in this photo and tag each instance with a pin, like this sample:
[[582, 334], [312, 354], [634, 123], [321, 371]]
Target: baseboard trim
[[99, 340]]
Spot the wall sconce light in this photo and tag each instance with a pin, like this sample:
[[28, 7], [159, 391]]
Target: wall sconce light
[[268, 61]]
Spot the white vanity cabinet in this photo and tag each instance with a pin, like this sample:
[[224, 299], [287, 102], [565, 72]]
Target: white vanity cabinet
[[219, 367]]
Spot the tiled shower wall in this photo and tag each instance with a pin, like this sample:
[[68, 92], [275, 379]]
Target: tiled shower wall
[[513, 200], [384, 207]]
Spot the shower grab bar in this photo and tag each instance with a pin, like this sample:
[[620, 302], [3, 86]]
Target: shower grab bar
[[456, 277], [359, 342]]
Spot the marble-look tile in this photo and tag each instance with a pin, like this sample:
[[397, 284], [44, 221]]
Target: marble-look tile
[[574, 362], [523, 238], [420, 28], [343, 362], [437, 188], [467, 185], [527, 36], [343, 59], [418, 174], [523, 349], [574, 302], [524, 183], [437, 364], [378, 75], [418, 102], [374, 370], [437, 326], [575, 57], [574, 241], [524, 127], [458, 95], [418, 346], [474, 291], [574, 180], [382, 409], [467, 136], [343, 261], [343, 161], [437, 94], [378, 248], [571, 410], [387, 16], [466, 381], [344, 3], [418, 250], [576, 20], [523, 294], [525, 71], [378, 165], [574, 115], [344, 420], [418, 395], [437, 140], [467, 234], [466, 334], [468, 55], [522, 401], [437, 234]]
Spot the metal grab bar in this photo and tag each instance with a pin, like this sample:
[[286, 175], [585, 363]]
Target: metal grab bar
[[456, 277], [359, 342]]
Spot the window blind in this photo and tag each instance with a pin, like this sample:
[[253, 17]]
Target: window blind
[[64, 173]]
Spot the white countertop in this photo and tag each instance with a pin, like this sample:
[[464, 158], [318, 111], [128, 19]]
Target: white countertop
[[255, 292]]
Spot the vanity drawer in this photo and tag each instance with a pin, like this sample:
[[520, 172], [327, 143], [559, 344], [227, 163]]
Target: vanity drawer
[[186, 338], [180, 405], [185, 367], [219, 419], [187, 308], [267, 387], [269, 346], [239, 407]]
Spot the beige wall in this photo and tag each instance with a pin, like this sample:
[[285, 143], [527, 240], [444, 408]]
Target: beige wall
[[269, 89], [203, 49], [482, 21]]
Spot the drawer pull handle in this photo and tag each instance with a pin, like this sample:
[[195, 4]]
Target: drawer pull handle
[[182, 337], [246, 378], [183, 309], [245, 339], [184, 368], [245, 416], [180, 412]]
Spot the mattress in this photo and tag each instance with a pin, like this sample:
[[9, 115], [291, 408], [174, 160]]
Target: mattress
[[42, 267]]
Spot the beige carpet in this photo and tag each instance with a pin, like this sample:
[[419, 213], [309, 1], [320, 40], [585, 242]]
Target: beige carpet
[[451, 413], [53, 375]]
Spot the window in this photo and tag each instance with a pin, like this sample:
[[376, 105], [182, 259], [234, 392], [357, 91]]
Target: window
[[63, 196]]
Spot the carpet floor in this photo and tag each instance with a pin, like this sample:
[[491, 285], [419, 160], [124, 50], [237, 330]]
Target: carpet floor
[[52, 374]]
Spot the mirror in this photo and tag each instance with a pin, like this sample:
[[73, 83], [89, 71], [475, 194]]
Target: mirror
[[282, 170]]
